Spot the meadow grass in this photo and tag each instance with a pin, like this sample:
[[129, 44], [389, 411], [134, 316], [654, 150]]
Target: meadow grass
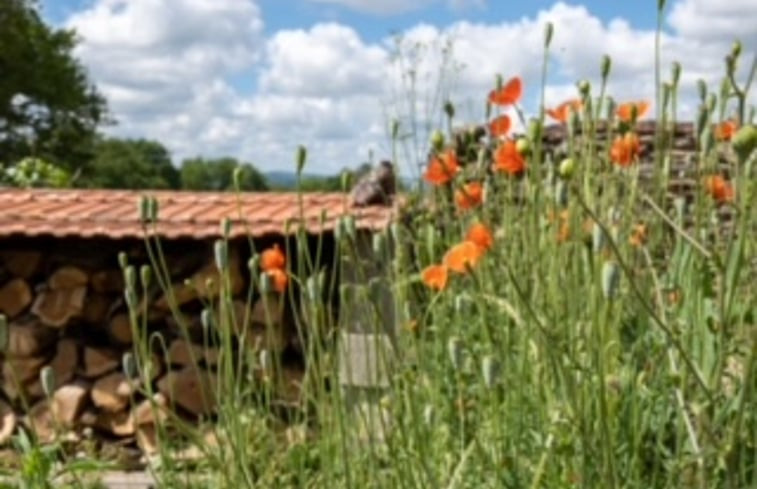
[[577, 349]]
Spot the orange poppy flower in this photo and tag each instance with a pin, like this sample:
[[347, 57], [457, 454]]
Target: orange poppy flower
[[480, 234], [638, 235], [562, 111], [272, 259], [435, 277], [625, 149], [719, 188], [442, 168], [725, 130], [626, 110], [509, 94], [508, 159], [500, 126], [279, 279], [463, 255], [469, 196]]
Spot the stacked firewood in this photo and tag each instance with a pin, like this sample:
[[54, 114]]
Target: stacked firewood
[[70, 323]]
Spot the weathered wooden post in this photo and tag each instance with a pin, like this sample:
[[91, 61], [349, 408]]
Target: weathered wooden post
[[368, 330]]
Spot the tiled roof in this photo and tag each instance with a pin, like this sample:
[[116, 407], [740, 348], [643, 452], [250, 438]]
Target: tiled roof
[[115, 213]]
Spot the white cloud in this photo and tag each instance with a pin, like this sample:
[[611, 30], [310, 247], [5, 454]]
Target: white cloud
[[329, 89], [382, 7]]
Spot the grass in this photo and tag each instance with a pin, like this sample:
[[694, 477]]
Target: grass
[[565, 356]]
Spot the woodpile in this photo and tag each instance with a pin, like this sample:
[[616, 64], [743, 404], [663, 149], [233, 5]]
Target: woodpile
[[69, 317]]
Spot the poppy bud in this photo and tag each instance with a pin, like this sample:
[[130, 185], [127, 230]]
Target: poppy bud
[[221, 253], [449, 109], [300, 158], [548, 31], [145, 276], [523, 146], [237, 176], [131, 298], [437, 140], [676, 73], [490, 370], [265, 360], [129, 365], [584, 88], [703, 118], [711, 102], [736, 49], [744, 141], [606, 66], [226, 227], [667, 89], [206, 319], [610, 279], [144, 209], [253, 264], [455, 350], [395, 128], [123, 259], [153, 209], [597, 238], [130, 277], [428, 414], [702, 89], [266, 284], [567, 168], [561, 193], [3, 333], [47, 379]]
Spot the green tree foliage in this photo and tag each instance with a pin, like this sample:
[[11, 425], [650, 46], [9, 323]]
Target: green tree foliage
[[218, 174], [34, 172], [48, 107], [130, 164]]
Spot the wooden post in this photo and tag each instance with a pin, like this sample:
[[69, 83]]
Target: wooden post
[[368, 333]]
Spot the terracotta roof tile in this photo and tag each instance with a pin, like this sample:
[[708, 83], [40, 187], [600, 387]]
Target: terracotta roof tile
[[115, 214]]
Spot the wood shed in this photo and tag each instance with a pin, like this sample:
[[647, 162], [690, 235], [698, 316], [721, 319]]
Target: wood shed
[[62, 293]]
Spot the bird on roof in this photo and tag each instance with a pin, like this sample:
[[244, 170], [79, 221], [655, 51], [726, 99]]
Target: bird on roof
[[377, 187]]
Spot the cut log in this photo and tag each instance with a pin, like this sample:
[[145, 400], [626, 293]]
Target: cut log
[[23, 264], [67, 277], [183, 353], [96, 308], [150, 412], [112, 392], [256, 334], [205, 283], [147, 439], [68, 402], [55, 308], [63, 364], [116, 423], [99, 361], [108, 281], [7, 422], [191, 388], [119, 329], [15, 297], [28, 337], [22, 369], [41, 422]]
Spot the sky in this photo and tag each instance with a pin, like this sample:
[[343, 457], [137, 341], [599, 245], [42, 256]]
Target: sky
[[254, 79]]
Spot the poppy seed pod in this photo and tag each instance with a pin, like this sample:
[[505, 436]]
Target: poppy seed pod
[[610, 279], [221, 253], [145, 276], [3, 333], [490, 369], [47, 379], [548, 31], [300, 158], [129, 365], [455, 351]]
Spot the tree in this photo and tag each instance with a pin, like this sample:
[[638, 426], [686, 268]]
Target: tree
[[48, 107], [130, 164], [218, 174]]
